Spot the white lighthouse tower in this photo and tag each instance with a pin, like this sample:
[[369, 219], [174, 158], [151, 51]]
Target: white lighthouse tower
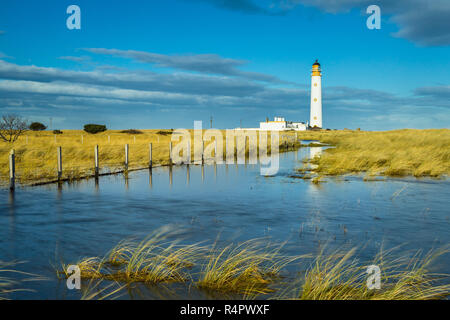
[[316, 96]]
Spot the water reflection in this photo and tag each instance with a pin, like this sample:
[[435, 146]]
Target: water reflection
[[315, 152], [188, 174], [96, 185], [76, 221], [126, 178], [150, 177]]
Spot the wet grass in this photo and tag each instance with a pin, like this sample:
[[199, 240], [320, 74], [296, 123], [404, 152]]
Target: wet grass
[[248, 268], [419, 153], [341, 276], [12, 280], [151, 261], [256, 268]]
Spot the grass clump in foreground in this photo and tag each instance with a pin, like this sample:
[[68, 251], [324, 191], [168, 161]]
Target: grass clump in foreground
[[254, 268], [416, 153], [153, 260], [248, 268], [339, 276]]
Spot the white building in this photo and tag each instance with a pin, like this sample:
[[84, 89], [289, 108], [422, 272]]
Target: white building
[[280, 124]]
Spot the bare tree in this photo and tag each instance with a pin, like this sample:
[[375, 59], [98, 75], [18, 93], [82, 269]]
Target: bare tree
[[12, 127]]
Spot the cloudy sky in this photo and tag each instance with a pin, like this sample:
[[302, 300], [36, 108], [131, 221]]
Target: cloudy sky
[[164, 64]]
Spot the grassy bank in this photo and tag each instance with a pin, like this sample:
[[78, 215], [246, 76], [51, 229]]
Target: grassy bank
[[416, 153], [36, 153], [392, 153]]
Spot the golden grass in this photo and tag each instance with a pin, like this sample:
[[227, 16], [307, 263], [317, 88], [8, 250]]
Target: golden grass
[[392, 153], [340, 276], [248, 268], [153, 260], [254, 268], [36, 153], [6, 282]]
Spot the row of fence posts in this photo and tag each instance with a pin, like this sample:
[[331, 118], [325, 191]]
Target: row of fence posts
[[12, 166]]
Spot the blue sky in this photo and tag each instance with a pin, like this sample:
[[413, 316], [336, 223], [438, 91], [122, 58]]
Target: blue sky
[[164, 64]]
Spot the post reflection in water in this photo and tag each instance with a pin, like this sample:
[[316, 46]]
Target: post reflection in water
[[125, 175], [11, 200], [59, 191], [170, 175], [187, 174], [150, 177], [12, 215], [203, 173], [96, 187]]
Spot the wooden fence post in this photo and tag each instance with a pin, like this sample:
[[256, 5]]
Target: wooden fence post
[[170, 153], [96, 162], [189, 153], [82, 139], [245, 149], [203, 152], [59, 164], [109, 139], [150, 162], [12, 170], [126, 157]]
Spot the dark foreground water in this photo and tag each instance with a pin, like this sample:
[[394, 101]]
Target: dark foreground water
[[43, 226]]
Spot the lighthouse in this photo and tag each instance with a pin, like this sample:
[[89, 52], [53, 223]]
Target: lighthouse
[[316, 96]]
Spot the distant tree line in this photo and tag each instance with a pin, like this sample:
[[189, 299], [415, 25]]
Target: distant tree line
[[12, 126]]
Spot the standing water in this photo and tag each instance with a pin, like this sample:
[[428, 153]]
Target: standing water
[[44, 226]]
